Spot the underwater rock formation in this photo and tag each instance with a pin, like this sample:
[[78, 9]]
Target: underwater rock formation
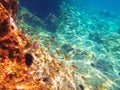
[[11, 6], [14, 73], [51, 23], [42, 8], [25, 67]]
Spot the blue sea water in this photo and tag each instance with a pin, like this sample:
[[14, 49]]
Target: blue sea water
[[88, 31], [42, 8], [112, 5]]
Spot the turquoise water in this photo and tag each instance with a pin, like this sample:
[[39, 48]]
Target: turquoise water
[[89, 32]]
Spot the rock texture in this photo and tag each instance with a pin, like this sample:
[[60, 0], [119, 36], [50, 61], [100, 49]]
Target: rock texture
[[14, 73]]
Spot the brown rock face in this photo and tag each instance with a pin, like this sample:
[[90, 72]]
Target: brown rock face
[[11, 6], [14, 74], [3, 21], [11, 41]]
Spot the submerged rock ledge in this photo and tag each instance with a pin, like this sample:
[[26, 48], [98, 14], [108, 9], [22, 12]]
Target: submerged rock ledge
[[25, 67]]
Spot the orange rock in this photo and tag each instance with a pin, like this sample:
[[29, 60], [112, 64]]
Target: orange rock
[[14, 74], [11, 6]]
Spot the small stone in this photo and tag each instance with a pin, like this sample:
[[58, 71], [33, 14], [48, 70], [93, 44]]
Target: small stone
[[81, 87]]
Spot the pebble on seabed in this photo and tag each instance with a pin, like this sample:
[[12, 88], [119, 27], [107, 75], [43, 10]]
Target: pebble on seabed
[[81, 87]]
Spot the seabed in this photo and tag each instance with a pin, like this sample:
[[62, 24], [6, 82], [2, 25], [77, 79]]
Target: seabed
[[78, 50]]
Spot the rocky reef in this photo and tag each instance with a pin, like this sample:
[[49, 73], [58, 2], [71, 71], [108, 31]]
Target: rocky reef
[[14, 72], [25, 66]]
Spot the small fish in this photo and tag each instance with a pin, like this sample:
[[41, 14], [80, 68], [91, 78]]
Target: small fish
[[84, 78], [47, 44], [36, 37], [66, 57], [61, 64], [52, 55], [52, 74], [74, 66], [54, 63], [28, 29], [59, 52], [52, 37], [42, 49], [56, 44]]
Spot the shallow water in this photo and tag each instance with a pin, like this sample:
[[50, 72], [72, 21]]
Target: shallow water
[[89, 32]]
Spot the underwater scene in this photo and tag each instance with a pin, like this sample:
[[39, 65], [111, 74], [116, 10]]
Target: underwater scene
[[59, 45]]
